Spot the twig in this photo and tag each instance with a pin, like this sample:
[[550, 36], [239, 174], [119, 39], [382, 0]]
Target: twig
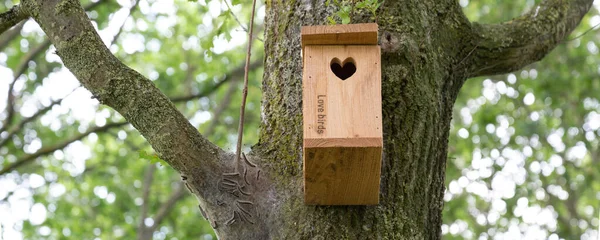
[[228, 77], [17, 128], [245, 91], [44, 151], [131, 9], [21, 68], [163, 211], [238, 20], [148, 177], [223, 105], [166, 207], [584, 33], [234, 16], [11, 34]]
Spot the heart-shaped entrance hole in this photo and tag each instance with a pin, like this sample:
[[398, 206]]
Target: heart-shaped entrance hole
[[343, 70]]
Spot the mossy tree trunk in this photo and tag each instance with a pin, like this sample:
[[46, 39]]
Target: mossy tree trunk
[[419, 89], [429, 49]]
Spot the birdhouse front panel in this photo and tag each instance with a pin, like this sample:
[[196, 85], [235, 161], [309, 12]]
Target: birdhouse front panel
[[341, 116], [339, 108]]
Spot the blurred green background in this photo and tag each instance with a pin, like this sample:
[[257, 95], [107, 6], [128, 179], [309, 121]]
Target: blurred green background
[[523, 163]]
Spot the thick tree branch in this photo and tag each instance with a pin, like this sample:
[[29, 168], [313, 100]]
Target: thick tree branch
[[24, 63], [11, 18], [506, 47], [179, 194], [17, 128], [132, 95], [47, 150], [14, 32]]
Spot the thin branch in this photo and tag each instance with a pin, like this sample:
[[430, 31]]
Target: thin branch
[[224, 104], [18, 127], [11, 34], [93, 5], [189, 74], [584, 33], [506, 47], [48, 150], [167, 206], [40, 171], [148, 177], [12, 131], [11, 18], [21, 68], [235, 17], [131, 10], [200, 94], [245, 90], [238, 20], [30, 56], [10, 110], [234, 73]]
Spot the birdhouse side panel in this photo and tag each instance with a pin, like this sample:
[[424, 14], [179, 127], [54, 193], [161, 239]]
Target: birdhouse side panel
[[342, 175]]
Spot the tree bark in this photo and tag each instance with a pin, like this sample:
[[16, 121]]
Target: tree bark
[[419, 90], [429, 49], [427, 54]]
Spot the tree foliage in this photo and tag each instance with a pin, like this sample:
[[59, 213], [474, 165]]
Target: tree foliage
[[524, 153]]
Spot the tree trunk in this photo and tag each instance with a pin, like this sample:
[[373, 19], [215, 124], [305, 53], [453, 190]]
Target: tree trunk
[[428, 50], [419, 90]]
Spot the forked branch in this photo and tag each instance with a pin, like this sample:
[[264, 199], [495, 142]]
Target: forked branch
[[134, 96], [506, 47]]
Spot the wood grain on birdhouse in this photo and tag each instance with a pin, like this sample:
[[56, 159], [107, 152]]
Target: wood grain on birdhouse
[[348, 34], [341, 115]]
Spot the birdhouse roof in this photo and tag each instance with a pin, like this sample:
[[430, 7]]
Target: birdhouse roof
[[349, 34]]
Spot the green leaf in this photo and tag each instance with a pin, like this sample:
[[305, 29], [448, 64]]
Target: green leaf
[[153, 158]]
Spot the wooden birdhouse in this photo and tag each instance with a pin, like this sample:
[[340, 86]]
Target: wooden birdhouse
[[341, 96]]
